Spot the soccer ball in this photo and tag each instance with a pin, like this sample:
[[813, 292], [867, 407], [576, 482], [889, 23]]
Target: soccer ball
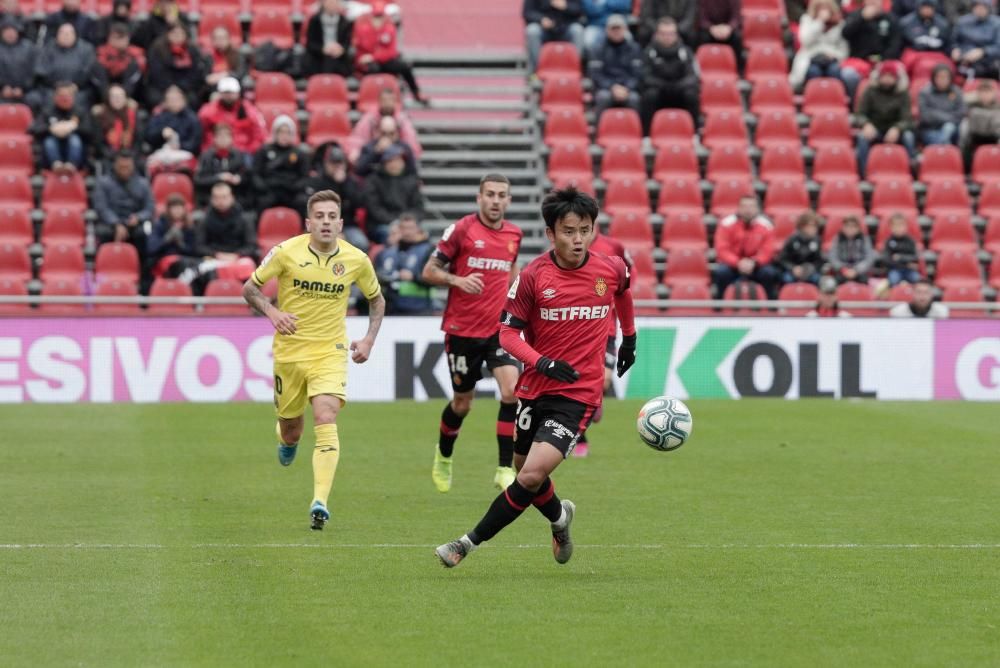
[[664, 423]]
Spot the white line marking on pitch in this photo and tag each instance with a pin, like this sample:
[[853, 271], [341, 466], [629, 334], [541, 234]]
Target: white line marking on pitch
[[334, 546]]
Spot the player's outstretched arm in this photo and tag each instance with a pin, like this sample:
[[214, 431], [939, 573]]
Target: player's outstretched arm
[[284, 323], [362, 348], [626, 316], [436, 273]]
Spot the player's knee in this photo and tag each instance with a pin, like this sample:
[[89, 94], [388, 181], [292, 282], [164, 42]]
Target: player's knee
[[461, 404], [531, 479], [507, 395]]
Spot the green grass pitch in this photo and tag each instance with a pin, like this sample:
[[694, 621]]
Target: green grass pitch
[[783, 534]]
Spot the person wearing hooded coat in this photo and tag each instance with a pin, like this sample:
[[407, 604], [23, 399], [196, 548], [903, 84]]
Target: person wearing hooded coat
[[17, 60], [942, 108]]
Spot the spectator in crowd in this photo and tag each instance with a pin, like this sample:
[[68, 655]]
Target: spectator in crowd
[[66, 58], [121, 12], [900, 253], [651, 11], [616, 67], [226, 58], [122, 63], [225, 234], [872, 35], [399, 267], [372, 152], [551, 21], [719, 23], [368, 126], [18, 57], [389, 192], [162, 15], [597, 13], [245, 120], [982, 124], [852, 256], [334, 175], [171, 247], [376, 49], [801, 258], [926, 35], [117, 122], [977, 42], [328, 40], [71, 14], [822, 46], [744, 248], [174, 60], [12, 9], [64, 129], [942, 108], [884, 112], [921, 305], [124, 204], [669, 75], [222, 163], [175, 119], [280, 166], [826, 304]]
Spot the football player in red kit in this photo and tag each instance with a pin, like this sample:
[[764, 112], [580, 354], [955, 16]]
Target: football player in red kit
[[477, 260], [562, 303]]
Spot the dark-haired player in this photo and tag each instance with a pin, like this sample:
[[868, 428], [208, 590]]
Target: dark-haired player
[[562, 303], [477, 260]]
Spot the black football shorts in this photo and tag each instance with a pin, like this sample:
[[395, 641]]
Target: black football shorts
[[550, 419], [466, 357]]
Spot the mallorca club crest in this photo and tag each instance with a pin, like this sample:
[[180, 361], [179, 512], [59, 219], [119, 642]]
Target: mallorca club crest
[[600, 287], [338, 269]]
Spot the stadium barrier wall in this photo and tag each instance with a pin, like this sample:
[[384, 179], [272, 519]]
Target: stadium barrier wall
[[205, 359]]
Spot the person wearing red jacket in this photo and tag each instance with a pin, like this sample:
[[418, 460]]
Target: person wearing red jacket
[[245, 120], [376, 49], [744, 248]]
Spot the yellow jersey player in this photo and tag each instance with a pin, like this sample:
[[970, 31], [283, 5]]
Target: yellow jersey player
[[315, 272]]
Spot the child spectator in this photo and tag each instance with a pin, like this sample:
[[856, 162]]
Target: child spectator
[[174, 60], [942, 108], [801, 258], [852, 256], [64, 129], [122, 63], [245, 120], [615, 68], [884, 112], [18, 57], [328, 40], [222, 163], [899, 255], [279, 167], [822, 46], [117, 121], [376, 49]]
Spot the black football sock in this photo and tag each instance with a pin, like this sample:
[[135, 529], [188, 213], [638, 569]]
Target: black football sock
[[505, 433], [548, 502], [451, 423], [506, 508]]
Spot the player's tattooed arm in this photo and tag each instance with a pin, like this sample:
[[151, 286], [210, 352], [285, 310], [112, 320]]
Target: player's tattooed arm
[[436, 273], [284, 323], [362, 348]]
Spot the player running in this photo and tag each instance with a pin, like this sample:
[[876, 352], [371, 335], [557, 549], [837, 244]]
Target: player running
[[315, 272], [481, 252], [562, 302]]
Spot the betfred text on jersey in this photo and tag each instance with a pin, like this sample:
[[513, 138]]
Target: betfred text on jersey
[[488, 263], [575, 313]]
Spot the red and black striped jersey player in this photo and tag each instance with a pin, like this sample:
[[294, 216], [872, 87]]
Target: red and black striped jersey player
[[561, 303], [477, 260]]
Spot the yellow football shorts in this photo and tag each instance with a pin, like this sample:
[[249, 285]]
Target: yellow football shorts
[[297, 382]]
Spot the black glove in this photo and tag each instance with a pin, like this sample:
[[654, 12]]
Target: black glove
[[626, 354], [557, 369]]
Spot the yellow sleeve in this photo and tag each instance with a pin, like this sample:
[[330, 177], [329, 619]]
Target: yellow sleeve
[[367, 280], [270, 267]]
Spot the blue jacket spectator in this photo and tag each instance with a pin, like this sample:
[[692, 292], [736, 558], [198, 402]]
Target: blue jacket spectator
[[926, 29], [977, 41], [400, 264], [124, 204], [178, 118], [173, 233], [615, 68], [598, 12]]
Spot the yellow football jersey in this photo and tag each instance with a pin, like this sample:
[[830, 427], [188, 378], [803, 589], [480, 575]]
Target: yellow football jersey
[[315, 288]]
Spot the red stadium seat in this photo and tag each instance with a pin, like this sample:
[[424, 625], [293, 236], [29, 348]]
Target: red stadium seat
[[275, 94], [901, 292], [16, 156], [271, 26], [771, 95], [724, 128], [117, 261], [686, 266], [967, 294], [995, 272], [15, 120], [642, 291], [63, 226], [953, 231], [893, 196], [9, 288], [690, 291], [767, 62], [830, 128], [626, 195], [643, 272], [681, 196], [170, 287], [62, 287], [786, 196], [958, 268], [64, 191], [782, 162], [941, 162], [225, 287], [219, 18], [888, 162], [632, 229], [558, 59], [726, 195], [676, 161], [570, 161], [622, 161], [276, 225], [946, 197], [671, 126], [986, 164], [784, 225], [566, 125], [856, 292], [16, 227], [62, 262], [116, 288], [834, 162], [292, 7], [561, 93], [826, 94], [716, 62], [761, 30], [727, 162], [778, 128], [683, 230], [328, 125], [839, 198], [371, 87], [15, 263], [773, 7], [741, 290], [912, 227], [989, 200], [798, 292], [720, 95], [327, 91], [166, 184], [991, 237], [619, 127]]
